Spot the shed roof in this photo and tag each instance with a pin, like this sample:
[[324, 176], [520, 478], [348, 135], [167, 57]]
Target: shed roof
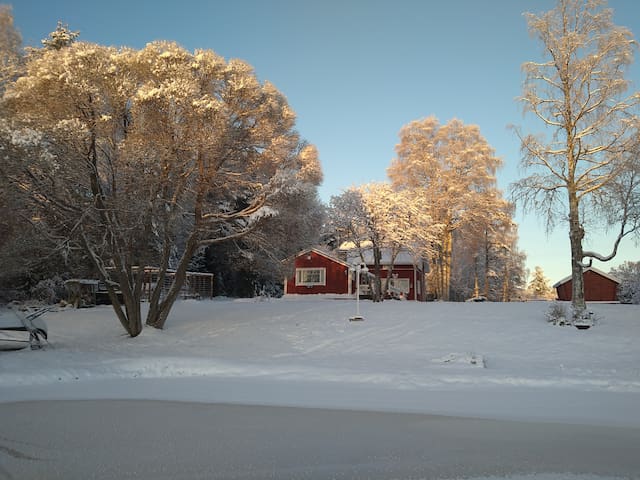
[[594, 270], [324, 254], [404, 257]]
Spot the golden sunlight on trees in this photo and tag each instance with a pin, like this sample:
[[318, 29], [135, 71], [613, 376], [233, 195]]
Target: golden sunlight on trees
[[10, 46], [145, 156], [539, 285], [451, 170], [586, 164]]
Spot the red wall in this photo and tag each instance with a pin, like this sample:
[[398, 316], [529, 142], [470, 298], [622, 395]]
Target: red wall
[[337, 277], [596, 288], [405, 271]]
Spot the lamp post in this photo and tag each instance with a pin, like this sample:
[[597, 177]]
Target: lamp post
[[361, 268]]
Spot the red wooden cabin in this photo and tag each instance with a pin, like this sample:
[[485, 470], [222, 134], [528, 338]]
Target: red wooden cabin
[[318, 272]]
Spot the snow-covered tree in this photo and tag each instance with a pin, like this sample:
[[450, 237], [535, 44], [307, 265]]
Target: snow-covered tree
[[145, 157], [451, 168], [580, 93], [488, 262], [539, 285], [629, 275], [258, 262], [354, 220], [10, 46], [376, 217], [61, 37], [511, 262]]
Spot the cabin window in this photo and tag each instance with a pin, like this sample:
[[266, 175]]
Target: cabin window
[[310, 277], [400, 285]]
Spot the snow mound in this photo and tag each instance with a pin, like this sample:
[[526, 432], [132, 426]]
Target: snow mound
[[470, 359]]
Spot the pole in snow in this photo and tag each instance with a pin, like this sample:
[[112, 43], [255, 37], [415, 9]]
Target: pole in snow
[[361, 268]]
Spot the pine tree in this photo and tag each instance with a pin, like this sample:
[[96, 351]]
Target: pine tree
[[539, 284], [61, 37]]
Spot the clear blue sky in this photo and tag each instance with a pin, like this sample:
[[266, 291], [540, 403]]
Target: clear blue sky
[[356, 71]]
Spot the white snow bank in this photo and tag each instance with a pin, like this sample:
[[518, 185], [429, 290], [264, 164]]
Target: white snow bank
[[468, 359]]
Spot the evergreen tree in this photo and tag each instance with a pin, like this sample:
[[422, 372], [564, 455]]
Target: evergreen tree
[[61, 37], [539, 284]]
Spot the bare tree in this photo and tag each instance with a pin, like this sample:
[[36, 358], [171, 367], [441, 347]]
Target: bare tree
[[354, 222], [579, 93]]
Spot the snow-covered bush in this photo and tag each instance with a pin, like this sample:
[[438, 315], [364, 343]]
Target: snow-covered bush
[[50, 290], [629, 288], [558, 314]]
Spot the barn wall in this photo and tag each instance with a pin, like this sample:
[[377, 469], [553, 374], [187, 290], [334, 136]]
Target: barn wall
[[599, 288], [596, 288], [564, 291]]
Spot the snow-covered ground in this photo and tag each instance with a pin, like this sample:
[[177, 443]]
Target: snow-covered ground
[[489, 360]]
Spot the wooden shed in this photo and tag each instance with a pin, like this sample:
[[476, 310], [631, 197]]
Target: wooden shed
[[598, 287]]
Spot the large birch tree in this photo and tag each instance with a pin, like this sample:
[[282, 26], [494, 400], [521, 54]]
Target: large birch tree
[[451, 168], [584, 165]]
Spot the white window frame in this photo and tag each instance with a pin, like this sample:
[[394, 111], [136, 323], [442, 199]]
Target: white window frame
[[302, 277], [402, 284]]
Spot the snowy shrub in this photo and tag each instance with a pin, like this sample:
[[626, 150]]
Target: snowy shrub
[[50, 290], [558, 314], [629, 275], [586, 317]]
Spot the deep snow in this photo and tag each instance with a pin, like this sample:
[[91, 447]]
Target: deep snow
[[489, 360]]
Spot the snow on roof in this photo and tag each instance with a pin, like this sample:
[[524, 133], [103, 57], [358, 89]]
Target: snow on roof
[[594, 270], [404, 257], [346, 246], [82, 281], [324, 253]]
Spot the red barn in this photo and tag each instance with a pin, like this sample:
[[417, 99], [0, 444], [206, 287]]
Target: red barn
[[318, 272], [598, 287]]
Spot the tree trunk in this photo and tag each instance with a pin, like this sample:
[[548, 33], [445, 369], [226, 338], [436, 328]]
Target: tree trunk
[[576, 234], [487, 251], [476, 290], [446, 265], [505, 284], [128, 282], [158, 318], [376, 295]]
